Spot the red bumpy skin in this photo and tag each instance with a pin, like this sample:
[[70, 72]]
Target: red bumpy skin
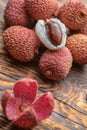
[[56, 65], [22, 43], [42, 9], [83, 30], [22, 109], [73, 14], [77, 44], [15, 13]]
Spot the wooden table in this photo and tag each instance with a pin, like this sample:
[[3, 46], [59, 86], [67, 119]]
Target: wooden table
[[70, 112]]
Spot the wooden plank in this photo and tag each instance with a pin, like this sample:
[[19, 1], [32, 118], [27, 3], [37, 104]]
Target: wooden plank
[[74, 116], [70, 112]]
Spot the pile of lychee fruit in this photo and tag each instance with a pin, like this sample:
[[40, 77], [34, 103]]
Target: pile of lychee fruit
[[62, 31]]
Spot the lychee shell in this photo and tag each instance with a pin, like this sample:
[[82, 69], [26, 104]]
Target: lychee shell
[[56, 65], [6, 96], [83, 30], [73, 14], [22, 43], [77, 44], [42, 9], [15, 13]]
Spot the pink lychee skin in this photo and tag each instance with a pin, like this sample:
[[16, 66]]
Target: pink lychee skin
[[73, 14], [22, 109], [16, 14], [42, 9], [22, 43], [77, 44], [56, 65], [45, 101], [26, 87], [6, 96], [83, 30], [27, 120]]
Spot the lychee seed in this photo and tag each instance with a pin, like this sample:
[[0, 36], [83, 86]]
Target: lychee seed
[[52, 33]]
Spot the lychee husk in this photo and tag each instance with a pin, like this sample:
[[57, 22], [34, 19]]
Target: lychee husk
[[27, 87], [56, 65], [73, 14], [24, 119], [27, 120], [15, 13], [77, 44], [22, 43], [43, 106], [42, 9], [22, 109], [83, 30], [6, 96]]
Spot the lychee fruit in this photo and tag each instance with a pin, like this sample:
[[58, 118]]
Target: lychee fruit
[[52, 33], [56, 65], [22, 108], [21, 43], [42, 9], [73, 14], [83, 30], [16, 14], [77, 44]]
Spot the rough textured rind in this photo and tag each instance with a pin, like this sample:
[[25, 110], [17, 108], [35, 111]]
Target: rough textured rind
[[22, 43], [77, 44], [15, 13], [56, 65], [42, 9], [73, 14], [83, 30]]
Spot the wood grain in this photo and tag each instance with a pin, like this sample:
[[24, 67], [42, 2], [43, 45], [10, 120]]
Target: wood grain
[[70, 111]]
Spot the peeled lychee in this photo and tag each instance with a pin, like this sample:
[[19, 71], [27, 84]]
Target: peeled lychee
[[56, 65], [77, 44], [52, 33], [15, 13], [22, 43], [73, 14], [42, 9], [22, 108]]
